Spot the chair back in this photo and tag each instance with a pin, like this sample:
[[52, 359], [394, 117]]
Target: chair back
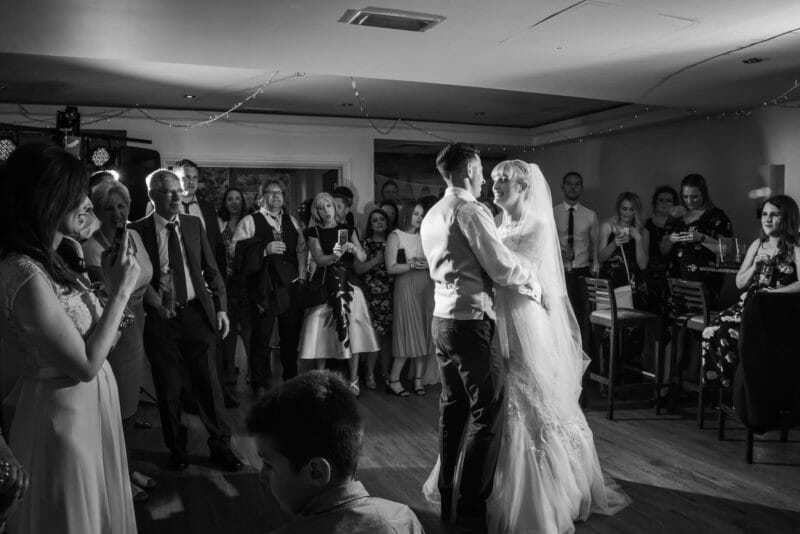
[[599, 295], [689, 297]]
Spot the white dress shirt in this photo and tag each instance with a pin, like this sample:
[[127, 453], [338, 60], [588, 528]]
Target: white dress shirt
[[585, 230], [247, 228], [162, 235]]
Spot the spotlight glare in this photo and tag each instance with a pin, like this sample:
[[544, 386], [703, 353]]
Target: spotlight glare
[[100, 156], [7, 146]]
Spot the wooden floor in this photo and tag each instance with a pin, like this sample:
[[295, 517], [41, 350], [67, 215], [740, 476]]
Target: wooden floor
[[681, 478]]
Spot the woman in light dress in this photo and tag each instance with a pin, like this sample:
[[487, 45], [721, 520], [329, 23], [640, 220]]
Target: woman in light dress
[[413, 303], [66, 429], [548, 474]]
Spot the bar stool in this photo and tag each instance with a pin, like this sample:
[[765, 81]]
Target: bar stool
[[603, 313], [691, 315]]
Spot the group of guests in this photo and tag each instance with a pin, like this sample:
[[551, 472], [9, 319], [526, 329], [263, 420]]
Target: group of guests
[[685, 232]]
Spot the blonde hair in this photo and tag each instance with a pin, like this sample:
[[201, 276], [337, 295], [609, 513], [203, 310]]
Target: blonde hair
[[318, 200]]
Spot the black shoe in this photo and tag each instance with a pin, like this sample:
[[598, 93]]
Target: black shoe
[[178, 461], [230, 400], [226, 460]]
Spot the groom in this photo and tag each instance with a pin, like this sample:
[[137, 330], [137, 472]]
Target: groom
[[466, 256]]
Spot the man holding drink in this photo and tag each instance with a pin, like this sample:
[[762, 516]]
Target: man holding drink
[[283, 263]]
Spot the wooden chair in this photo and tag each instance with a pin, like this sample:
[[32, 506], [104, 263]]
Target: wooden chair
[[603, 313], [764, 395], [692, 316]]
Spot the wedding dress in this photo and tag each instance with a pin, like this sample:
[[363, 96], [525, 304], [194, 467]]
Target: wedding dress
[[547, 474]]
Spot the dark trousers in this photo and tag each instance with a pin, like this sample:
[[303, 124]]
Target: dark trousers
[[468, 401], [289, 324], [186, 342], [239, 317], [578, 301]]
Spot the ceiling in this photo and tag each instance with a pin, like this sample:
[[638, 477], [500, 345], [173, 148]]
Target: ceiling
[[513, 63]]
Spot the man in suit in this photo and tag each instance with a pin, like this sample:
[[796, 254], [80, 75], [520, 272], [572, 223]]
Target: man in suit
[[465, 256], [191, 204], [183, 336]]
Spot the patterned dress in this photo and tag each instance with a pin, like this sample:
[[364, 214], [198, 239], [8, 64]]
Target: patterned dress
[[720, 346], [379, 287], [687, 258]]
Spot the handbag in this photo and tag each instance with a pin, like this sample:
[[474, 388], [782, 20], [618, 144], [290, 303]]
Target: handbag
[[310, 294], [624, 294]]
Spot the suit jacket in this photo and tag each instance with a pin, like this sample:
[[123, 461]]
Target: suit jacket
[[209, 286]]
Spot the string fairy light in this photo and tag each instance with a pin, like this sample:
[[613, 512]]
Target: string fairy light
[[778, 101]]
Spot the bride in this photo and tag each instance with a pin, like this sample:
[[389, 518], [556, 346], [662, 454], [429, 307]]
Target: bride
[[547, 474]]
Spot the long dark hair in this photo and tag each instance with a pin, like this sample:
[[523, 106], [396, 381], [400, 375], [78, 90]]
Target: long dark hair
[[790, 218], [40, 185], [697, 180], [223, 212]]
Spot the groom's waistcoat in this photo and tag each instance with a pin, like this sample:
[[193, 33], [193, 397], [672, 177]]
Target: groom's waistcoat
[[463, 289]]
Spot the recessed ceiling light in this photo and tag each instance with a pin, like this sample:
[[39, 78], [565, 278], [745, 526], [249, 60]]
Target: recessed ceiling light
[[752, 60], [3, 88], [189, 97], [393, 19], [346, 105], [479, 113]]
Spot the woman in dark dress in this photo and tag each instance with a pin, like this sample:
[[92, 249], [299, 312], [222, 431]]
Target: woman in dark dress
[[692, 233], [664, 199], [230, 213], [341, 327], [771, 264], [378, 288], [624, 256]]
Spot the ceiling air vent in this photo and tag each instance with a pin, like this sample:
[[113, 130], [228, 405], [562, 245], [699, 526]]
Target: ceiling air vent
[[391, 18]]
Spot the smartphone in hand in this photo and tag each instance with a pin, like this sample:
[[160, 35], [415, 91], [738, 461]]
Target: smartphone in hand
[[343, 237]]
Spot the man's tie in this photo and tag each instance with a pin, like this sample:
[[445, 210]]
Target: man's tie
[[571, 230], [187, 204], [176, 264]]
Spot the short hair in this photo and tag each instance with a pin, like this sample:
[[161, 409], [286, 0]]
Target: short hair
[[389, 183], [223, 212], [368, 231], [696, 180], [158, 177], [186, 163], [571, 173], [304, 211], [406, 211], [455, 157], [676, 199], [39, 185], [98, 177], [271, 180], [315, 206], [101, 195], [790, 219], [345, 193], [393, 204], [311, 415]]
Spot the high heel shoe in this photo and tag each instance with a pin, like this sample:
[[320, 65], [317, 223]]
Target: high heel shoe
[[354, 388], [419, 389], [402, 392]]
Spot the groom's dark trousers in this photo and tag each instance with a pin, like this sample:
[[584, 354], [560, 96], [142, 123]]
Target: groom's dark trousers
[[468, 404]]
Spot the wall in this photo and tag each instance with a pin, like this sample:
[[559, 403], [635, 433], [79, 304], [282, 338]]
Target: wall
[[261, 140], [733, 155]]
